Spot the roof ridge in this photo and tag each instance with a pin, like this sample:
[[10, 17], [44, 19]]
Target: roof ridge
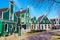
[[3, 9]]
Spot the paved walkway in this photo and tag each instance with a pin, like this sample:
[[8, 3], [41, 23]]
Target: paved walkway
[[43, 36], [16, 37], [35, 36]]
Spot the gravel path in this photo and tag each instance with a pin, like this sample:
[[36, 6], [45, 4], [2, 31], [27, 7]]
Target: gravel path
[[43, 36]]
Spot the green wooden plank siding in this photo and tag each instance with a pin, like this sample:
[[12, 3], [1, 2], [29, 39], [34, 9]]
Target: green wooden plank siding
[[9, 23], [6, 15], [28, 20], [5, 18], [27, 16], [34, 21], [1, 24], [27, 11], [15, 18], [11, 8], [45, 20]]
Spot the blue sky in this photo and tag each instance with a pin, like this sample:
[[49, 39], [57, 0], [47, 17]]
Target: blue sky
[[35, 10]]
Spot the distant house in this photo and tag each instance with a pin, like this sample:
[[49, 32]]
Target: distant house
[[55, 23], [34, 23], [52, 23], [44, 23], [8, 19]]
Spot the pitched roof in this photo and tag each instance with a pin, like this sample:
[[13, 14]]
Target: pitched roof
[[3, 9], [43, 17], [23, 11], [20, 12], [39, 19]]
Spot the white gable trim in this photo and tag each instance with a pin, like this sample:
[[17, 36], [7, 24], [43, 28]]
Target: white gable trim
[[10, 11], [43, 17], [1, 16]]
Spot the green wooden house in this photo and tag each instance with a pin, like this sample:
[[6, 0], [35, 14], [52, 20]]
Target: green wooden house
[[34, 23], [44, 23], [25, 20], [8, 20]]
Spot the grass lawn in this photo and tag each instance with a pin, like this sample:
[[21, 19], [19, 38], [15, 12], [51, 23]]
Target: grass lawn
[[55, 38], [34, 31], [23, 36]]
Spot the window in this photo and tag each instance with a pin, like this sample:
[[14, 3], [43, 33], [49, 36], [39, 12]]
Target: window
[[11, 29], [22, 22], [55, 22], [5, 28], [47, 21], [27, 15], [12, 17], [42, 27], [32, 26], [59, 22], [22, 19], [43, 21], [45, 25], [14, 27], [22, 15], [39, 26], [0, 14], [34, 21], [48, 26]]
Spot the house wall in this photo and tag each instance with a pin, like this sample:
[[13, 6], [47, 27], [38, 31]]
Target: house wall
[[23, 18], [56, 24], [44, 26]]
